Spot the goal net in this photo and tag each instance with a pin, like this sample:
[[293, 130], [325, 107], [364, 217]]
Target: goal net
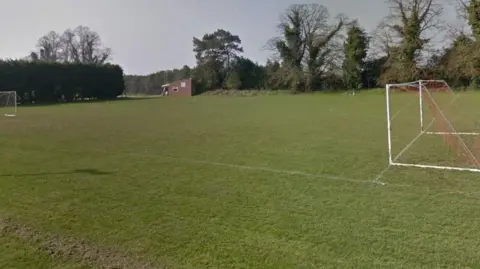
[[431, 126], [8, 103]]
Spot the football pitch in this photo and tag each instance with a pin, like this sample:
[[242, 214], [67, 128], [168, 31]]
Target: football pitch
[[229, 182]]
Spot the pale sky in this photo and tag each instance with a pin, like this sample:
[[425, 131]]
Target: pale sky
[[150, 35]]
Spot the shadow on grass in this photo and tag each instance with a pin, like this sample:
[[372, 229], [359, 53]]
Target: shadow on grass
[[91, 172]]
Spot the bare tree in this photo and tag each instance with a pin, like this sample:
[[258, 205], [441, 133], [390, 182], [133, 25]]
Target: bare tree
[[83, 45], [50, 46], [69, 52], [462, 8], [383, 40]]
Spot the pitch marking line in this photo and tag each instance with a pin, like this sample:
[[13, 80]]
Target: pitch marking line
[[300, 173], [305, 174], [270, 170], [380, 175]]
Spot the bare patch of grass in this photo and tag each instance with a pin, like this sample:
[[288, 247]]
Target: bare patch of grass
[[78, 251]]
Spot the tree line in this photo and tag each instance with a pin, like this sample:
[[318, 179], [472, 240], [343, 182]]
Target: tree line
[[64, 67], [316, 51], [51, 82], [313, 51]]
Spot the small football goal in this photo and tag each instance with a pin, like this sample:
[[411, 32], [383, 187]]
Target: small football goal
[[8, 103], [431, 126]]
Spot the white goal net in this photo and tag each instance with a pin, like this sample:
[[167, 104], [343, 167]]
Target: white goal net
[[8, 103], [431, 126]]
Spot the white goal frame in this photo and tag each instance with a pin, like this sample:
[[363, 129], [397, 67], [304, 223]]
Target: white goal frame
[[392, 160], [14, 103]]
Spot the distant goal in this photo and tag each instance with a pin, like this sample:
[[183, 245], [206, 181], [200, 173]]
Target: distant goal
[[431, 126], [8, 103]]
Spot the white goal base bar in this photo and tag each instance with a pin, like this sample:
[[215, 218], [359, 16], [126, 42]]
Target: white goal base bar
[[10, 115], [451, 133], [452, 168], [393, 161]]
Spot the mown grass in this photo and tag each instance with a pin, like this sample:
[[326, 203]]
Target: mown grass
[[236, 182]]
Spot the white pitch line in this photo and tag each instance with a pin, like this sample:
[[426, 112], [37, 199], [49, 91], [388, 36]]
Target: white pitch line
[[396, 114], [291, 172], [400, 110], [380, 175], [377, 178], [265, 169], [301, 173], [412, 142]]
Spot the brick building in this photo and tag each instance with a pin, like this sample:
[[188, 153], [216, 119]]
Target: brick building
[[183, 87]]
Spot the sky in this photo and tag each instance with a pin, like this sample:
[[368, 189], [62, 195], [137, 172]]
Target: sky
[[147, 36]]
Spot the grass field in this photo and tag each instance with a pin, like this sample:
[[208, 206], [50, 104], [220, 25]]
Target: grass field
[[227, 182]]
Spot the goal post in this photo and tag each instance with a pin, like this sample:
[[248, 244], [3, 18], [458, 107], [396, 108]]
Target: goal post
[[8, 103], [431, 126]]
